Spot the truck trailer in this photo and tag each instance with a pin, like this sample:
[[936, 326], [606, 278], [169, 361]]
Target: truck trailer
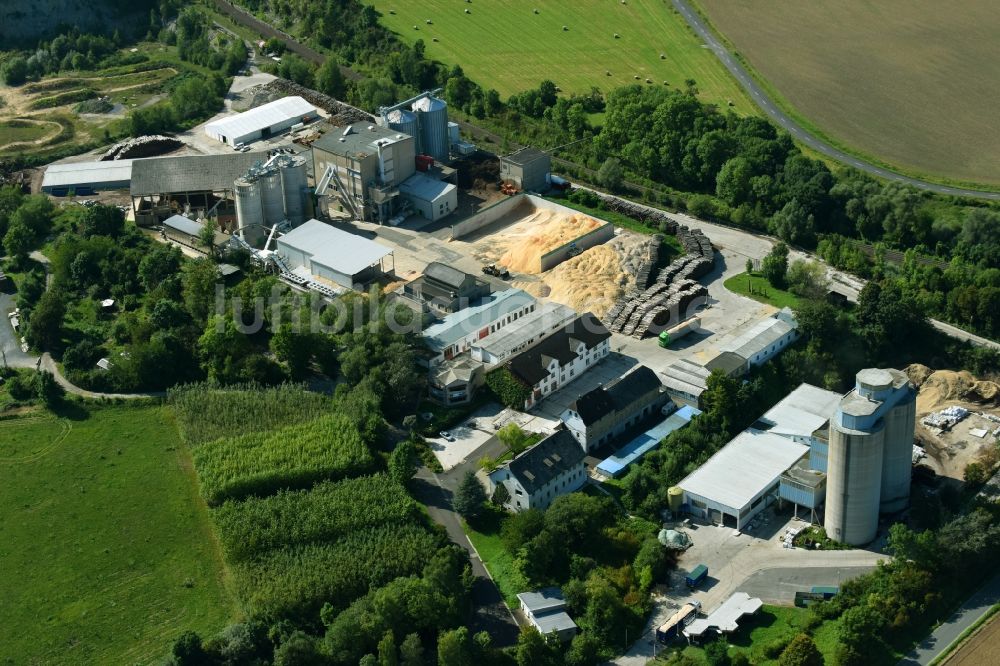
[[671, 629]]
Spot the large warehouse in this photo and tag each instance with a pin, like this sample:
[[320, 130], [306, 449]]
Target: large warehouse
[[83, 178], [318, 250], [741, 479], [262, 122]]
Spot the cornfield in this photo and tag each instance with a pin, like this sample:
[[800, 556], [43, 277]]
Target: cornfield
[[324, 514], [297, 456], [207, 412], [296, 581]]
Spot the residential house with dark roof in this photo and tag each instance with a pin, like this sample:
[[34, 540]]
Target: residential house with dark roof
[[446, 289], [599, 416], [561, 357], [551, 468]]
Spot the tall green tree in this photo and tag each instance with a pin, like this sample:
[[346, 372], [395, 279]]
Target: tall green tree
[[470, 496], [402, 462], [802, 651]]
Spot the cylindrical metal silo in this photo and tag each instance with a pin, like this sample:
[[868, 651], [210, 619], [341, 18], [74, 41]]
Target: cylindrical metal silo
[[897, 458], [675, 496], [433, 115], [405, 121], [272, 197], [294, 186], [249, 210], [854, 483]]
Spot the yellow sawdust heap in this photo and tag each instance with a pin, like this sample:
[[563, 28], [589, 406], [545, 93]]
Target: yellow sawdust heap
[[524, 244], [939, 388]]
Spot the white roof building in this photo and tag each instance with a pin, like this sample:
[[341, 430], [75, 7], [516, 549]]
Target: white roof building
[[765, 339], [742, 478], [801, 413], [86, 177], [726, 617], [262, 121], [328, 252]]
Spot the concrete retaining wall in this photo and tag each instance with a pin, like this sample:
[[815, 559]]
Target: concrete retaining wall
[[596, 237], [486, 217]]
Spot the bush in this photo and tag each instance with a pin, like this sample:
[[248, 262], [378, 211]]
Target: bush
[[22, 387], [329, 447], [507, 388]]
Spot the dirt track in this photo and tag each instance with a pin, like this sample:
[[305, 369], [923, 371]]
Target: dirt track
[[982, 648]]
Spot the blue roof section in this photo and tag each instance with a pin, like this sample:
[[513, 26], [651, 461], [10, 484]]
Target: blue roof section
[[457, 325], [646, 442]]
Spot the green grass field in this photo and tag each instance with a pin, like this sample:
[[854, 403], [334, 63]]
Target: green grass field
[[504, 45], [106, 551], [761, 290], [484, 533], [910, 83], [14, 131]]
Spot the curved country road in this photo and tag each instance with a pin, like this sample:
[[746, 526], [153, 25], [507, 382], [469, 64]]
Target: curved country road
[[779, 117]]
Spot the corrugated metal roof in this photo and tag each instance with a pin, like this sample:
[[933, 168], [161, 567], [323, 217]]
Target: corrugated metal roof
[[88, 173], [457, 325], [425, 188], [641, 445], [801, 413], [344, 252], [190, 173], [535, 325], [184, 224], [759, 337], [743, 468], [262, 117]]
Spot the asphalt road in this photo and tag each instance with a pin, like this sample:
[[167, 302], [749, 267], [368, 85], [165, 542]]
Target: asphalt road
[[942, 637], [779, 117]]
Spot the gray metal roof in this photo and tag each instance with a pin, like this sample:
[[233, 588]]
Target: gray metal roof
[[264, 116], [546, 318], [95, 174], [457, 325], [425, 188], [446, 274], [184, 224], [543, 600], [727, 616], [743, 469], [344, 252], [359, 141], [525, 156], [190, 173], [802, 412], [759, 336]]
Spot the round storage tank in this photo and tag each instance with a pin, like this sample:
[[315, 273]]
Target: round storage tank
[[294, 186], [404, 121], [897, 458], [249, 210], [854, 484], [433, 127], [272, 197], [675, 497]]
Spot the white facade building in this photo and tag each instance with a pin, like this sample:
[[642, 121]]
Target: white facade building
[[532, 480], [262, 122], [459, 331], [764, 340]]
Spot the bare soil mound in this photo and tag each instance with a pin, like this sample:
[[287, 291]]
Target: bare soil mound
[[939, 388]]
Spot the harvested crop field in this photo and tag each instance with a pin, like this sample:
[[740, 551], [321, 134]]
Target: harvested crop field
[[982, 648], [514, 45], [909, 82]]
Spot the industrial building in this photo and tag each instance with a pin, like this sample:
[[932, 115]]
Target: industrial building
[[870, 455], [615, 465], [602, 414], [529, 169], [457, 332], [551, 468], [446, 288], [183, 230], [318, 250], [426, 120], [500, 345], [262, 122], [85, 178], [685, 381], [377, 174], [741, 479], [546, 612], [561, 357], [726, 618], [196, 186], [765, 339], [804, 417]]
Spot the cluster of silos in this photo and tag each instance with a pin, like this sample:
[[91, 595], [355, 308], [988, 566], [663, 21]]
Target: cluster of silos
[[871, 444], [426, 121], [269, 194]]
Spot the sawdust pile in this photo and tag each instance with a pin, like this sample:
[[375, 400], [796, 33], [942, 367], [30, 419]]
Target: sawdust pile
[[939, 388], [595, 279], [522, 246]]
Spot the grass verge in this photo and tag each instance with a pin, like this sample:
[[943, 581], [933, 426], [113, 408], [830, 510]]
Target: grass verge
[[756, 287], [484, 533], [108, 554]]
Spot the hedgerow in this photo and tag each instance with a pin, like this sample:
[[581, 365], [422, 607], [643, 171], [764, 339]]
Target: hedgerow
[[295, 582], [297, 456], [325, 513]]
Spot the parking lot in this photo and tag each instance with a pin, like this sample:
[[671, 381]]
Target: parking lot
[[473, 436]]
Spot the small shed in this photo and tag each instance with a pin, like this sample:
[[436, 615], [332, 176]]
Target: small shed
[[529, 169], [545, 609]]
